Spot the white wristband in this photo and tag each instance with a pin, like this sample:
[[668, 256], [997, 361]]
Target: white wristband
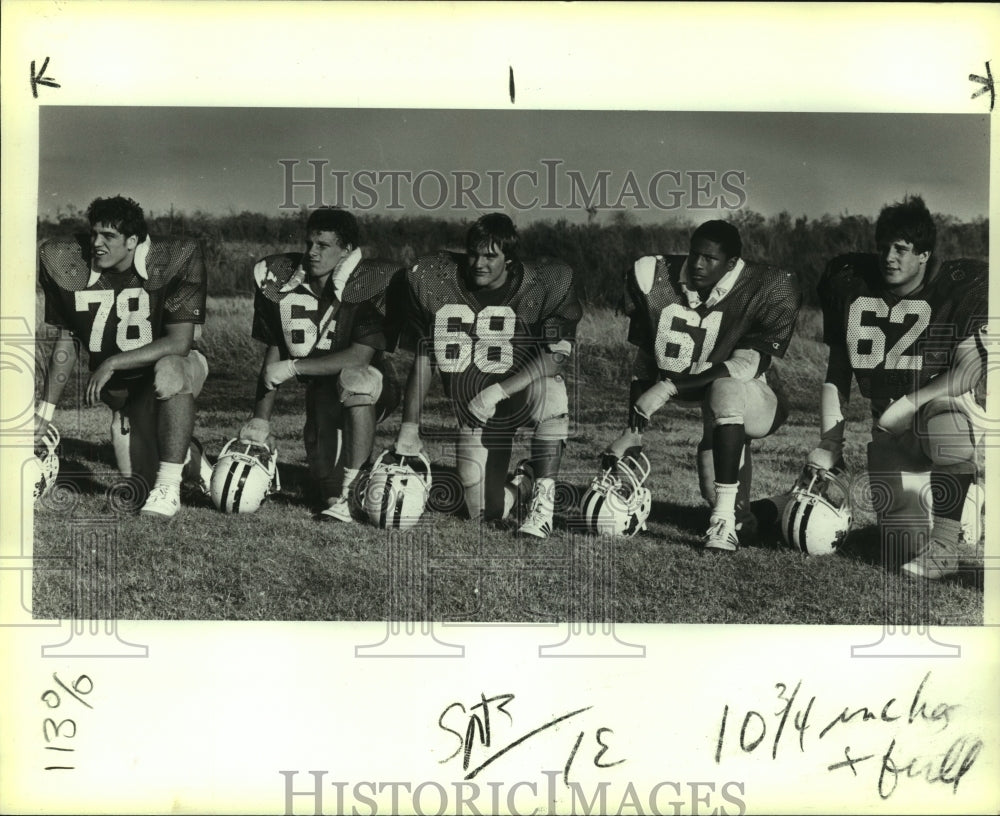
[[46, 410]]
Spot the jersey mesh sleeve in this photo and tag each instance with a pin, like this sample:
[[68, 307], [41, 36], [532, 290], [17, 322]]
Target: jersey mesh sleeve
[[416, 322], [186, 301], [561, 321], [367, 327], [775, 324], [265, 326], [55, 303], [962, 289], [640, 332]]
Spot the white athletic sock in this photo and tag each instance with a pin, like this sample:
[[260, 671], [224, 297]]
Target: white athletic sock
[[169, 475], [947, 531], [545, 493], [725, 501], [350, 474]]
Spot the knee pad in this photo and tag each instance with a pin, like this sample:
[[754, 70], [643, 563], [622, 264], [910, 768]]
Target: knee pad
[[550, 405], [947, 437], [171, 377], [727, 400], [359, 385], [554, 429]]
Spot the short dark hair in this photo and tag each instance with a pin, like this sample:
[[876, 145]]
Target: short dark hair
[[122, 213], [722, 233], [494, 229], [910, 220], [334, 219]]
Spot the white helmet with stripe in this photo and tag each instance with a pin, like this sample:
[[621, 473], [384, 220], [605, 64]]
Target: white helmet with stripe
[[618, 502], [817, 517], [243, 476], [396, 492]]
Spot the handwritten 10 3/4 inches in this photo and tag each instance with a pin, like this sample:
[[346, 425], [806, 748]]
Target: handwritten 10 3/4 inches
[[892, 764]]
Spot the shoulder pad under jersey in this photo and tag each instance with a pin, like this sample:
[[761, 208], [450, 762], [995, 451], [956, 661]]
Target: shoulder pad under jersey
[[962, 271], [67, 261], [766, 276], [963, 283], [644, 272], [433, 267], [849, 272], [852, 264], [550, 273], [274, 271], [370, 278], [169, 258]]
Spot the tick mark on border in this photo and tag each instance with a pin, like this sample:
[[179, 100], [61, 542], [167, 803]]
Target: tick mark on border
[[510, 81], [986, 82], [41, 79]]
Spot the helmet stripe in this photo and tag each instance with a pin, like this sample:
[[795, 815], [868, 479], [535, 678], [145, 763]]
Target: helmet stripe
[[224, 501], [594, 513], [398, 510], [803, 526], [383, 511], [790, 531], [239, 487]]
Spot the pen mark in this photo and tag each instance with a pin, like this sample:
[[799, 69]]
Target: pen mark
[[41, 79], [985, 81], [527, 736]]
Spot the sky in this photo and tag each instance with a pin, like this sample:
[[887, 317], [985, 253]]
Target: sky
[[529, 163]]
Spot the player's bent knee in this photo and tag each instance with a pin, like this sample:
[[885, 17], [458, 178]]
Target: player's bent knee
[[727, 400], [359, 385], [549, 400], [553, 429], [171, 377], [948, 439]]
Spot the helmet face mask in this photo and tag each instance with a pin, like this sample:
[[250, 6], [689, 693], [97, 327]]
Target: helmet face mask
[[46, 462], [617, 501], [817, 517], [243, 476], [396, 493]]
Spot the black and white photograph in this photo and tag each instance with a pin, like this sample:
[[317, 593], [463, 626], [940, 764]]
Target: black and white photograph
[[442, 408], [480, 341]]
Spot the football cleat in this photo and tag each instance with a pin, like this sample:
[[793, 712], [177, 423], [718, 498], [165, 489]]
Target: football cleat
[[340, 510], [935, 562], [518, 490], [538, 524], [617, 501], [45, 465], [721, 535], [163, 501], [396, 492], [817, 517], [973, 516], [243, 476]]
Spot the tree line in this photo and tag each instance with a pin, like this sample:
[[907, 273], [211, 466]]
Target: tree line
[[598, 251]]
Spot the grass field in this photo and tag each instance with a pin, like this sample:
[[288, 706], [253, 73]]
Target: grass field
[[279, 564]]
